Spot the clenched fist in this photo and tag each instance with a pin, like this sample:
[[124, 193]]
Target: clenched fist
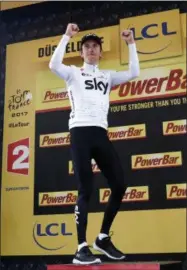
[[72, 29], [127, 35]]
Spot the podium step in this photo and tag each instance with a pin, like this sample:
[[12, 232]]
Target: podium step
[[119, 266]]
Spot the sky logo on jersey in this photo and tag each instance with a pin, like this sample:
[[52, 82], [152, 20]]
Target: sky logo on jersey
[[56, 139], [176, 191], [140, 193], [156, 160], [58, 198], [95, 168], [127, 132], [96, 84], [153, 83], [175, 127], [55, 94]]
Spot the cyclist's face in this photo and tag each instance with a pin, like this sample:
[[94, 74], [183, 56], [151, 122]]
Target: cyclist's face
[[91, 52]]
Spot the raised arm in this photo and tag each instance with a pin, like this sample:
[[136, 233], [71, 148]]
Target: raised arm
[[55, 63], [134, 68]]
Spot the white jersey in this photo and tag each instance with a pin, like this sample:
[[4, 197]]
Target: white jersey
[[89, 87]]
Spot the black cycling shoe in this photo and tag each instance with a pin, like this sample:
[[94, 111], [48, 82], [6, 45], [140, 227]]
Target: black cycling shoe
[[106, 247], [84, 256]]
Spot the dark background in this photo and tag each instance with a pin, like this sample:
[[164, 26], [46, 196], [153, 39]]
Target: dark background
[[51, 163]]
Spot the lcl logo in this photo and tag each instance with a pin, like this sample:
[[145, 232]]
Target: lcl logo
[[48, 232], [151, 31]]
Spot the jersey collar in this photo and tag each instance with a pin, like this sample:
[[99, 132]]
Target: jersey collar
[[92, 68]]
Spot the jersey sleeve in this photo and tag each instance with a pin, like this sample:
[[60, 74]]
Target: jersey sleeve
[[118, 77], [56, 62]]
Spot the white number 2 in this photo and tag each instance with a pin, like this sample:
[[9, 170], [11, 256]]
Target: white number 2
[[18, 163]]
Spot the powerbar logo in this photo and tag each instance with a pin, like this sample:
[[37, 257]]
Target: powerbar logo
[[157, 160], [57, 139], [55, 94], [167, 83], [127, 132], [131, 194], [177, 191], [175, 127], [58, 198], [115, 133], [95, 168]]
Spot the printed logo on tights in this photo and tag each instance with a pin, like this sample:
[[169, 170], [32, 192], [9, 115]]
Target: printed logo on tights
[[96, 85], [77, 214]]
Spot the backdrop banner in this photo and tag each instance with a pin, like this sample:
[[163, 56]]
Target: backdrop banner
[[147, 126]]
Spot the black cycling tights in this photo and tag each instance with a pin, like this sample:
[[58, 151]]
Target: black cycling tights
[[88, 143]]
